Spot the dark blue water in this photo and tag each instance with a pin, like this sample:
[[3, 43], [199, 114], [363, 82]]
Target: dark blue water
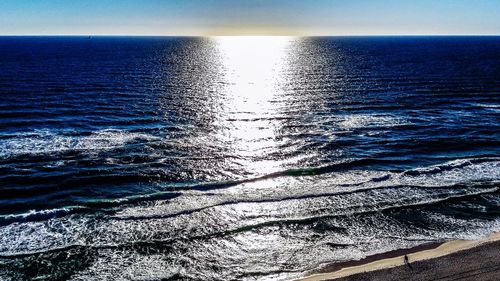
[[242, 157]]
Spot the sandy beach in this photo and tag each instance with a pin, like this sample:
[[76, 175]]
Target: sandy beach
[[453, 260]]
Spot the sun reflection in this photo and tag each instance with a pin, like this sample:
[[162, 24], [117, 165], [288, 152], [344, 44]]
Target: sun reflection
[[253, 67]]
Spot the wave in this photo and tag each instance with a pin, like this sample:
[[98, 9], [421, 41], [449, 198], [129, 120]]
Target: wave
[[295, 202], [491, 107], [42, 215], [308, 220], [451, 165], [335, 179], [478, 174], [149, 227], [358, 121], [49, 142]]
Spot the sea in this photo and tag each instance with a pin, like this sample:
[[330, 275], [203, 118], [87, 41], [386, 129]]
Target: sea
[[241, 158]]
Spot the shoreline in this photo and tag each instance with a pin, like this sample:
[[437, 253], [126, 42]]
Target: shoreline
[[426, 259]]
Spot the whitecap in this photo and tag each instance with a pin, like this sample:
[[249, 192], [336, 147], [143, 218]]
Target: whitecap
[[358, 121], [49, 142]]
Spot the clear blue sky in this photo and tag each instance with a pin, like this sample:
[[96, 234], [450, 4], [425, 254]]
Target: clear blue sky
[[220, 17]]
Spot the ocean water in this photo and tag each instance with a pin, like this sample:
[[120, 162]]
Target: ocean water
[[241, 158]]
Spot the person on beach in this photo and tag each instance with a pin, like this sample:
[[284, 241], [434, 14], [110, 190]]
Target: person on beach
[[407, 262]]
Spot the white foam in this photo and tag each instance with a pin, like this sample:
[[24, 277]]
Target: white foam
[[459, 172], [29, 237], [128, 266], [237, 209], [487, 105], [48, 142], [357, 121], [490, 107], [452, 173]]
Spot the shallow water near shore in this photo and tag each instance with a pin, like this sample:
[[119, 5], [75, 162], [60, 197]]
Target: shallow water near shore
[[241, 157]]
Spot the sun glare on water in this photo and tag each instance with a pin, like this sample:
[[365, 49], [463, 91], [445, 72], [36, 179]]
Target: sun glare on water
[[254, 69]]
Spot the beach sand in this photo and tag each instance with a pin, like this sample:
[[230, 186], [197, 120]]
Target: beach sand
[[454, 260]]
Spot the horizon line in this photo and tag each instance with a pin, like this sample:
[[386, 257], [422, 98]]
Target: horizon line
[[249, 35]]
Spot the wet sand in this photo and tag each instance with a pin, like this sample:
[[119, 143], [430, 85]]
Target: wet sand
[[454, 260]]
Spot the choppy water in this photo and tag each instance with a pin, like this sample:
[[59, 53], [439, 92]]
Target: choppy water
[[240, 158]]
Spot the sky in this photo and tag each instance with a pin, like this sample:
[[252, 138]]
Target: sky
[[257, 17]]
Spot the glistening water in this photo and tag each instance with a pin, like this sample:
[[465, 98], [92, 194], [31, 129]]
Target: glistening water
[[252, 158]]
